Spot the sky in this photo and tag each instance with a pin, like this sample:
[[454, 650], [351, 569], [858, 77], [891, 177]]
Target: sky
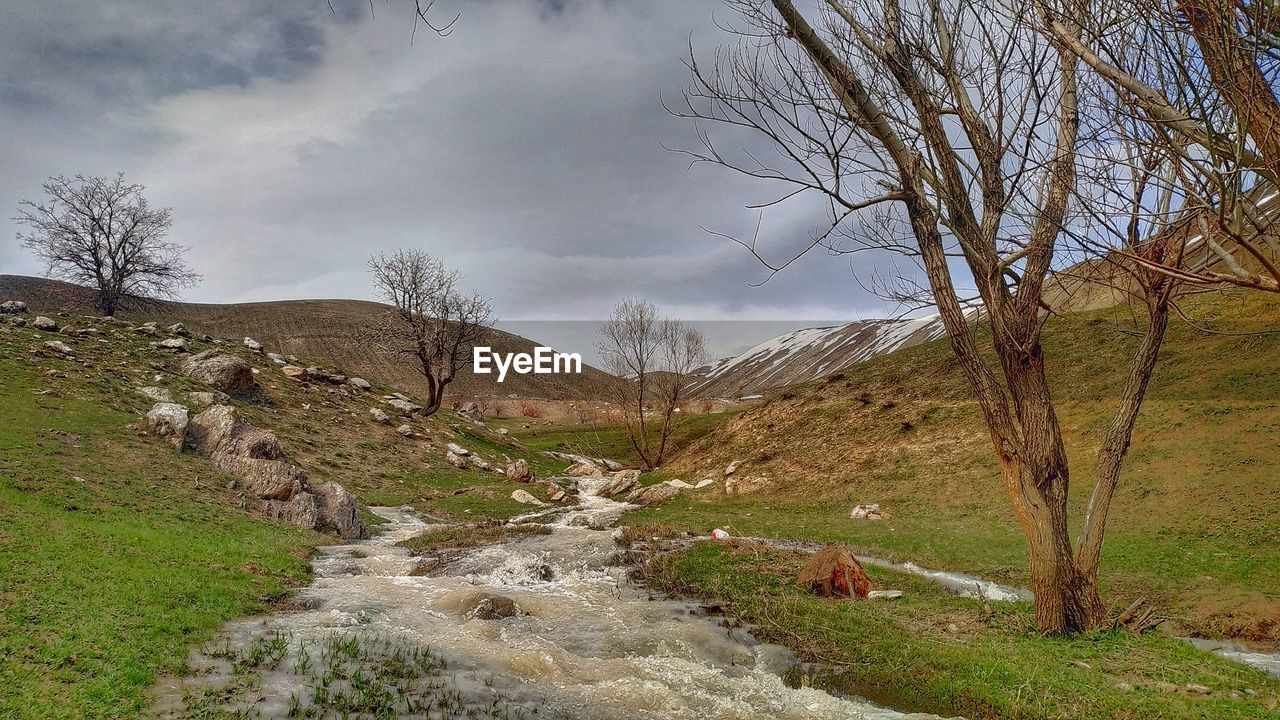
[[528, 149]]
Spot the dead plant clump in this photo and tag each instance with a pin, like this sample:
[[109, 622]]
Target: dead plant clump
[[834, 572], [528, 409]]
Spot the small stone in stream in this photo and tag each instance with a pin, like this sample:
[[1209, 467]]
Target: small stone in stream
[[485, 606], [43, 323]]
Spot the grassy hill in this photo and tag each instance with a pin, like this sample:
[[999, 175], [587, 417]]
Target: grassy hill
[[117, 554], [324, 331]]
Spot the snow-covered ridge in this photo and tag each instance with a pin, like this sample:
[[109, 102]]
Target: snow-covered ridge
[[804, 355]]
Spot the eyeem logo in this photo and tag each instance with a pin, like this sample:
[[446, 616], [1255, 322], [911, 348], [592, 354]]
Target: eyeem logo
[[543, 361]]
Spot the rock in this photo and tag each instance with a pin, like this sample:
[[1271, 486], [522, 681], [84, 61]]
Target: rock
[[172, 345], [277, 358], [704, 483], [456, 460], [379, 415], [148, 329], [178, 329], [678, 484], [732, 468], [503, 431], [746, 485], [457, 449], [621, 482], [249, 453], [833, 571], [406, 431], [301, 509], [871, 511], [43, 323], [480, 463], [223, 372], [471, 410], [884, 595], [652, 495], [253, 345], [339, 511], [486, 606], [169, 420], [581, 469], [88, 332], [404, 407], [555, 493], [205, 399], [159, 395], [525, 498], [59, 347], [1194, 689], [12, 307], [294, 372], [520, 472], [18, 321], [360, 383], [68, 331]]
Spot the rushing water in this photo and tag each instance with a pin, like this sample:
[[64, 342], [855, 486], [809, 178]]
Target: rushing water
[[589, 645]]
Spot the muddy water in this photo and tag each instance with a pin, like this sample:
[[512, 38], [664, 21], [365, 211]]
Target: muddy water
[[588, 645]]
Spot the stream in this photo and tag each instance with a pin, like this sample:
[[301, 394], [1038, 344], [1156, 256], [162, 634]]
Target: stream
[[587, 644]]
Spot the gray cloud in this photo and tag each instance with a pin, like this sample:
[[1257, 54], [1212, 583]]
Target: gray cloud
[[293, 142]]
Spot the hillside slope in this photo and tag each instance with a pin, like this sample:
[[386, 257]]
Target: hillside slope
[[325, 331], [1194, 522]]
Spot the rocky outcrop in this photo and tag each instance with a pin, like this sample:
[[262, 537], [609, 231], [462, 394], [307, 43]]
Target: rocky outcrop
[[621, 482], [223, 372], [12, 307], [255, 458], [59, 347], [455, 460], [169, 420], [583, 470], [175, 345], [360, 383], [471, 410]]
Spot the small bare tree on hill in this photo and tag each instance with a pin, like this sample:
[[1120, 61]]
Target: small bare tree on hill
[[433, 321], [652, 360], [102, 233]]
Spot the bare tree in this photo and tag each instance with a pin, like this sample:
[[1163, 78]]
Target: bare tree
[[950, 132], [652, 360], [1202, 75], [101, 233], [433, 321]]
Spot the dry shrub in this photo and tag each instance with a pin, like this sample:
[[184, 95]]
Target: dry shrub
[[833, 571], [706, 406], [529, 409]]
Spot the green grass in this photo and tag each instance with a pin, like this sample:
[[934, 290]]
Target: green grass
[[936, 653], [609, 441], [112, 562]]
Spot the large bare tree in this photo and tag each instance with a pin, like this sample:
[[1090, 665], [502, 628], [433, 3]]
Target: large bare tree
[[953, 133], [433, 321], [652, 360], [103, 234]]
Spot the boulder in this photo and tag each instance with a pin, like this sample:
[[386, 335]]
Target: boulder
[[169, 420], [360, 383], [834, 572], [339, 511], [622, 481], [869, 511], [205, 399], [18, 321], [480, 463], [406, 431], [652, 495], [581, 469], [486, 606], [148, 329], [456, 460], [159, 395], [223, 372], [58, 347], [43, 323], [457, 449], [746, 485], [277, 358], [525, 498], [12, 307], [177, 345], [520, 472], [253, 345], [404, 407], [294, 372], [471, 410], [379, 415], [301, 509], [178, 329]]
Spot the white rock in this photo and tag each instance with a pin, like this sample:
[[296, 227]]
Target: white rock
[[252, 344], [458, 449], [379, 415], [456, 460], [524, 498], [704, 483], [678, 484], [884, 595], [360, 383], [733, 467], [59, 347], [159, 395], [169, 420]]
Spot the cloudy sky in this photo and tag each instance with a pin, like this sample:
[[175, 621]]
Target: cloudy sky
[[292, 141]]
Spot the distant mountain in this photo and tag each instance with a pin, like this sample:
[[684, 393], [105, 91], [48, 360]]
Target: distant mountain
[[807, 354], [321, 330]]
